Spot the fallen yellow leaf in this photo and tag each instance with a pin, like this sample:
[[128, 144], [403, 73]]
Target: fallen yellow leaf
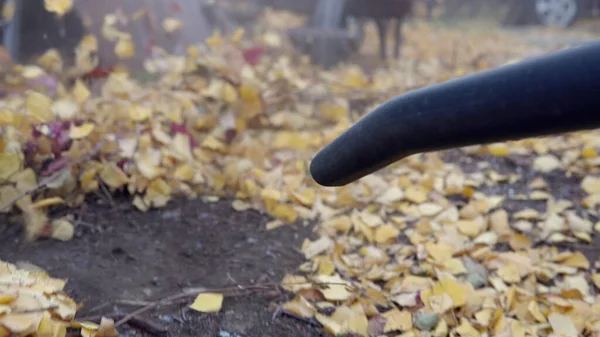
[[48, 202], [60, 7], [208, 302], [171, 25], [397, 320], [62, 230], [562, 325], [125, 49], [38, 106], [10, 164]]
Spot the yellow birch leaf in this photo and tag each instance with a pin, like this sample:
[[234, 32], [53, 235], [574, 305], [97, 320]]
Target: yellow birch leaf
[[62, 230], [80, 92], [107, 328], [79, 132], [208, 302], [125, 49], [113, 176], [171, 25], [8, 11], [38, 106], [48, 202], [59, 7], [386, 233], [397, 320], [329, 324], [10, 163], [237, 35], [562, 325]]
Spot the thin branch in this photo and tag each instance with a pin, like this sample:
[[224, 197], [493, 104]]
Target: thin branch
[[138, 322], [31, 311], [228, 291]]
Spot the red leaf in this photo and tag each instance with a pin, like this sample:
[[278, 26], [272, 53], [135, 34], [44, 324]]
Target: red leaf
[[30, 150], [55, 166], [230, 135], [36, 132], [180, 128], [56, 148], [56, 129], [46, 232], [122, 163], [419, 300], [98, 72], [252, 55]]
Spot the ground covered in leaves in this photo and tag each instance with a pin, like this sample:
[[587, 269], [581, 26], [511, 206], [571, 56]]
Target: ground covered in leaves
[[487, 240]]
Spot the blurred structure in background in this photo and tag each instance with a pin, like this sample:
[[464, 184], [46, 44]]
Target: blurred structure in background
[[29, 29], [554, 13], [333, 29], [151, 23]]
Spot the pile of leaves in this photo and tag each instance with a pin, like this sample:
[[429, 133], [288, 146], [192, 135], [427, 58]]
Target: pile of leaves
[[242, 118], [33, 303], [396, 252]]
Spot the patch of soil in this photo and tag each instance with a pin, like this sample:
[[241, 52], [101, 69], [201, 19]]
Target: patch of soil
[[120, 253]]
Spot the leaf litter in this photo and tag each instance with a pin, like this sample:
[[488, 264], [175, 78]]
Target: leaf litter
[[34, 303], [244, 117]]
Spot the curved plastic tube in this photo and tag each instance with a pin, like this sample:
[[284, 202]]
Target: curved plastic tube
[[552, 94]]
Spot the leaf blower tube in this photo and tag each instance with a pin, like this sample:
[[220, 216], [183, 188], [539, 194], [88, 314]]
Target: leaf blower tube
[[556, 93]]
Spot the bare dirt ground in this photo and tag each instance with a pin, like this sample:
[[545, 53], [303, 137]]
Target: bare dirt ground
[[119, 253]]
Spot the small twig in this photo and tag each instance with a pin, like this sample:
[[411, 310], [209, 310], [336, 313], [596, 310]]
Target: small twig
[[277, 312], [137, 322], [134, 303], [138, 135], [182, 311], [53, 177], [84, 223], [147, 325], [145, 308], [301, 319], [228, 291], [98, 307], [107, 194], [121, 302], [234, 281], [34, 310]]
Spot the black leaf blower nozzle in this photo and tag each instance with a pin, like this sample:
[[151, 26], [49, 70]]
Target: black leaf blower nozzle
[[552, 94]]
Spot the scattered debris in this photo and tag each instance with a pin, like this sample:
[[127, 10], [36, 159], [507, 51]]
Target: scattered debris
[[395, 255]]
